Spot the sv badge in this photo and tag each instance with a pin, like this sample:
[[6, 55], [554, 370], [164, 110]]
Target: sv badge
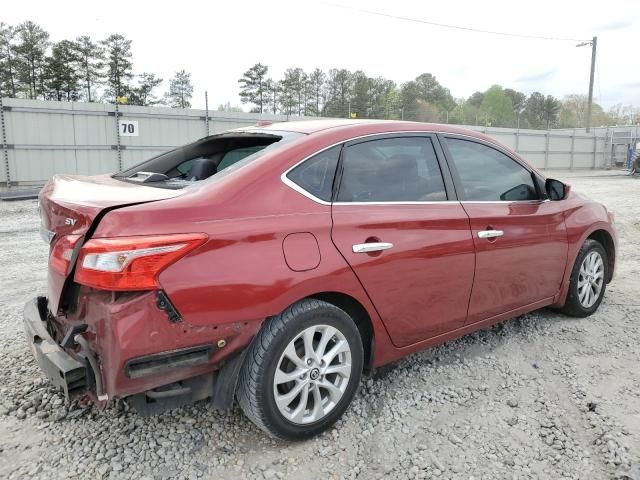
[[70, 221]]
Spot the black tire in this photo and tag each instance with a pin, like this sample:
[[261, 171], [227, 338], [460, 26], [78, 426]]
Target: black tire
[[573, 307], [255, 392]]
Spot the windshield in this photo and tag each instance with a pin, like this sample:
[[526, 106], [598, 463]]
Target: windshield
[[209, 158]]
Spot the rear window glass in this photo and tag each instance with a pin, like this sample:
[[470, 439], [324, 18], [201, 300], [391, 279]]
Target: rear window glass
[[206, 159], [315, 175]]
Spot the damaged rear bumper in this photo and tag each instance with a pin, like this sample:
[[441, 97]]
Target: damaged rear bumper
[[64, 371]]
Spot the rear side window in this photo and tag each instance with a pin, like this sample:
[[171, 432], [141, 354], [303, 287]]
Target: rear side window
[[391, 170], [315, 175], [487, 174]]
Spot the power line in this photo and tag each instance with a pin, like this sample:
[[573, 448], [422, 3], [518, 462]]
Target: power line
[[456, 27]]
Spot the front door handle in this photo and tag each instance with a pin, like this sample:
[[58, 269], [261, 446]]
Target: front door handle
[[490, 233], [371, 247]]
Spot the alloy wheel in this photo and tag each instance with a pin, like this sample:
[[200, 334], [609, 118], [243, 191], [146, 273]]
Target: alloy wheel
[[312, 374], [590, 279]]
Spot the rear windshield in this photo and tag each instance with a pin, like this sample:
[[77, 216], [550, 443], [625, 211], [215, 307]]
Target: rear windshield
[[212, 157]]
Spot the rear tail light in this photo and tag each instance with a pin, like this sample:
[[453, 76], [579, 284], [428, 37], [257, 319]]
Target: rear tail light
[[132, 263], [62, 252]]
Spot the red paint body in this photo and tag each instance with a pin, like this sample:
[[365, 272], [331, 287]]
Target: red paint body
[[270, 246]]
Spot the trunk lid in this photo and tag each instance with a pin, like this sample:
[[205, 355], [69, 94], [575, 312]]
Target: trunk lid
[[73, 204]]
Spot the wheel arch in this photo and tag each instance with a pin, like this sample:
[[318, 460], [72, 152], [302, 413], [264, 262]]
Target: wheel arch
[[360, 316], [606, 240]]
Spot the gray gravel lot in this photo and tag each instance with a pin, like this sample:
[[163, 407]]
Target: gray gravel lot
[[540, 396]]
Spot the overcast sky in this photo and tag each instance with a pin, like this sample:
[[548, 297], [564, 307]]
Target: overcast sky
[[218, 41]]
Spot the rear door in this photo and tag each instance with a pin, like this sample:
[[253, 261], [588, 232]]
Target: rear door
[[520, 238], [397, 223]]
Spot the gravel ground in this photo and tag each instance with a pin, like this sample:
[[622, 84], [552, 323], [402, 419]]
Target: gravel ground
[[540, 396]]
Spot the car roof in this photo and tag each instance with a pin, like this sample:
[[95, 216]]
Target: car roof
[[362, 126]]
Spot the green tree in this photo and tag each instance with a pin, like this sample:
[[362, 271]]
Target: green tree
[[91, 63], [33, 42], [518, 100], [271, 96], [8, 61], [294, 86], [496, 108], [338, 90], [180, 90], [423, 95], [252, 86], [286, 98], [62, 79], [119, 65], [384, 98], [142, 94], [476, 99], [316, 82], [551, 109], [361, 98], [534, 110]]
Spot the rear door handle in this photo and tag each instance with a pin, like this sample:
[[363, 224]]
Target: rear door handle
[[490, 233], [371, 247]]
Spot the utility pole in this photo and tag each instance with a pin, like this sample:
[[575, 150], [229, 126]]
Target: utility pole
[[594, 44]]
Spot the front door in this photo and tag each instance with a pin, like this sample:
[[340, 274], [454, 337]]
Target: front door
[[520, 238], [410, 246]]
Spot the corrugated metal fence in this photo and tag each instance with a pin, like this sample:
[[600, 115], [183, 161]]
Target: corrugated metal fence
[[42, 138]]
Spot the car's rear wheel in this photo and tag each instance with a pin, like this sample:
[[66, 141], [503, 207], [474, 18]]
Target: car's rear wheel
[[588, 280], [302, 370]]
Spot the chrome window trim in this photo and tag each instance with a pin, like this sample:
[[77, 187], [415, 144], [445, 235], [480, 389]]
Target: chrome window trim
[[532, 202], [302, 191]]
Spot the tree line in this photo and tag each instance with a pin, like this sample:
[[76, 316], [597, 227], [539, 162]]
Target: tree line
[[343, 93], [83, 69]]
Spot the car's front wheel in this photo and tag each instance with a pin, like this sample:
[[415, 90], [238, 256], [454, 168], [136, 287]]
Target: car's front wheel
[[588, 280], [302, 370]]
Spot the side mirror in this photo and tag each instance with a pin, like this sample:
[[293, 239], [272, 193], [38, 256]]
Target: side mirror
[[556, 190]]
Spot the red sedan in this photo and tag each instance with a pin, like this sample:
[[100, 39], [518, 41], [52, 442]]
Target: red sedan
[[276, 264]]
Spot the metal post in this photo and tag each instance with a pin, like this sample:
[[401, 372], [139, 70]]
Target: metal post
[[75, 142], [118, 137], [206, 111], [573, 143], [546, 151], [518, 139], [594, 44], [5, 151], [402, 113], [595, 150]]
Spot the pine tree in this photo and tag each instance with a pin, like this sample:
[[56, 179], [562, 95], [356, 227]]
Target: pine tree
[[8, 61], [317, 79], [143, 94], [62, 78], [119, 66], [253, 86], [91, 63], [180, 90], [33, 42]]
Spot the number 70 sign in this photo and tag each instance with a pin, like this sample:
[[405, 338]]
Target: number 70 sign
[[128, 128]]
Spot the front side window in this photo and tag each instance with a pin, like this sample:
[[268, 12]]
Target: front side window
[[487, 174], [315, 175], [391, 170]]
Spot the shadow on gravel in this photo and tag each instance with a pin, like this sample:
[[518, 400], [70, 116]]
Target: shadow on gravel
[[479, 343]]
